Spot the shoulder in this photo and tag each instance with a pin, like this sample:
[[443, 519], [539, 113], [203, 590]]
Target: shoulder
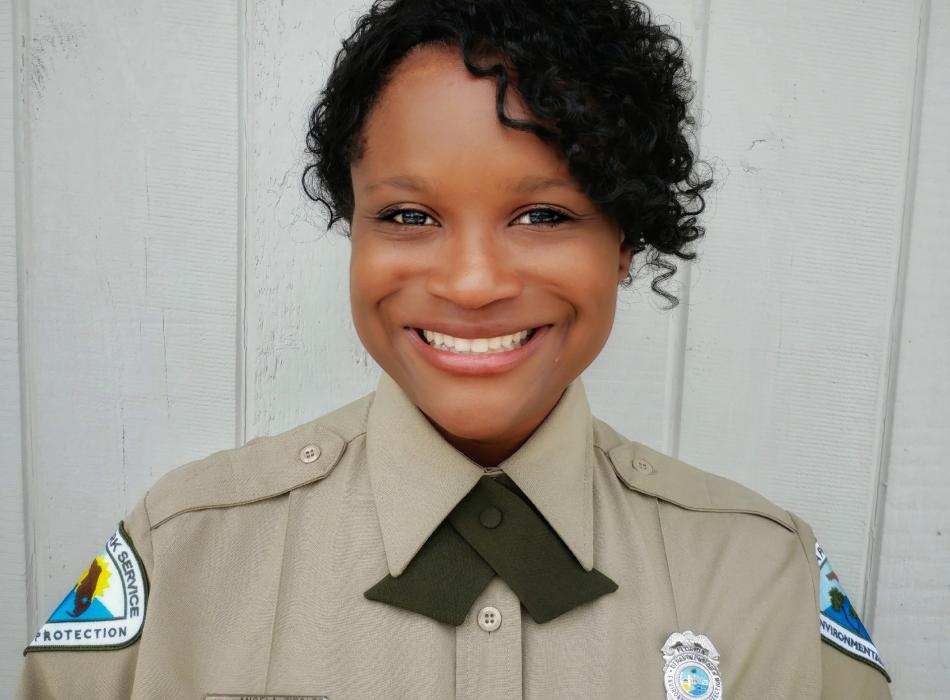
[[646, 470], [263, 468], [700, 499]]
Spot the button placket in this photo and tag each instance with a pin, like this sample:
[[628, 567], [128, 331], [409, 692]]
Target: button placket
[[488, 646]]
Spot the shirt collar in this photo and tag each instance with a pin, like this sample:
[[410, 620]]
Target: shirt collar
[[417, 477]]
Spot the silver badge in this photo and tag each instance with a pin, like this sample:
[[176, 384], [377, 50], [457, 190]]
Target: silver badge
[[692, 668]]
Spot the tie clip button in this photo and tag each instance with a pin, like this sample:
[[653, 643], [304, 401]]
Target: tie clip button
[[490, 517]]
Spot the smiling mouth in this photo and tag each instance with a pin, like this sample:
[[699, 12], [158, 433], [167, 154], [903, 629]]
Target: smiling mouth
[[477, 346]]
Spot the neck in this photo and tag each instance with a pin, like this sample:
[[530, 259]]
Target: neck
[[491, 452], [487, 453]]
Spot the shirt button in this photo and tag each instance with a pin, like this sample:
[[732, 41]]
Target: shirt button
[[309, 453], [490, 517], [489, 618], [643, 466]]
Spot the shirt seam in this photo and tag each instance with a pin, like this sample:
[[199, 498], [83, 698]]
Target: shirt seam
[[808, 558], [666, 558], [705, 509], [258, 499], [813, 578], [280, 583], [148, 518]]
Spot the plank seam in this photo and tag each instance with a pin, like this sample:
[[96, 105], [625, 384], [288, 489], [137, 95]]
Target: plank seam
[[22, 62], [679, 325], [240, 364], [879, 495]]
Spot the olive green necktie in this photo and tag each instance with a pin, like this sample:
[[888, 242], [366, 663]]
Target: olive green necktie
[[494, 529]]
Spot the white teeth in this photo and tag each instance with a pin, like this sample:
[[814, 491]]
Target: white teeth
[[499, 343]]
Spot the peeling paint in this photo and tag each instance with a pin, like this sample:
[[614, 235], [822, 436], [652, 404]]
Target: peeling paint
[[60, 42], [749, 168]]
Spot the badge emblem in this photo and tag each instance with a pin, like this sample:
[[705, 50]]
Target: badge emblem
[[839, 622], [692, 668], [105, 608]]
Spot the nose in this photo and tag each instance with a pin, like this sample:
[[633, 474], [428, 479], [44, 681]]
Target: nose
[[474, 269]]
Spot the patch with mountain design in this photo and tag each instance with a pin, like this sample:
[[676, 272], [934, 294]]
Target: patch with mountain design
[[840, 625], [105, 609]]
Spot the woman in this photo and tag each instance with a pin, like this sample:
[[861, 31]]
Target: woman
[[469, 529]]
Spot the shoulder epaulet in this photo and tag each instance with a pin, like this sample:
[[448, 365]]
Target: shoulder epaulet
[[264, 467], [643, 469]]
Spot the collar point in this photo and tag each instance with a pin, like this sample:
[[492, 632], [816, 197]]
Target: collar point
[[585, 559], [396, 568]]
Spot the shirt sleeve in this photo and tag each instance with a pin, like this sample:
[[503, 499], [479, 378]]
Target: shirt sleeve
[[844, 677], [851, 667], [88, 648]]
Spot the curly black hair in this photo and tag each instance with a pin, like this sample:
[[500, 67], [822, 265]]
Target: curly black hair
[[613, 85]]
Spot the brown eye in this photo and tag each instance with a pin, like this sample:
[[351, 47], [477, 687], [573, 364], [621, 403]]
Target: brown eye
[[542, 217], [406, 217]]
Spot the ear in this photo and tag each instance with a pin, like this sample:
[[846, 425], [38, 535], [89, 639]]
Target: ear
[[626, 257]]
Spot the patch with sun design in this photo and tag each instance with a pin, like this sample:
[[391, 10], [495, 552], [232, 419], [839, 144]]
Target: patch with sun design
[[840, 625], [105, 609]]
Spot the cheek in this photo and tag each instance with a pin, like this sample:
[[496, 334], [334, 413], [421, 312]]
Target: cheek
[[381, 283], [377, 264], [368, 282], [588, 281], [585, 273], [596, 303]]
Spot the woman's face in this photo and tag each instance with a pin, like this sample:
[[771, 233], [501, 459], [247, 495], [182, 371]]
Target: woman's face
[[451, 233]]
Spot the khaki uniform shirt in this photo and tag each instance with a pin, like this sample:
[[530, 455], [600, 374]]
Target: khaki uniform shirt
[[256, 561]]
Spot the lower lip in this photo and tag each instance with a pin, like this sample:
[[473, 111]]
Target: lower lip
[[477, 364]]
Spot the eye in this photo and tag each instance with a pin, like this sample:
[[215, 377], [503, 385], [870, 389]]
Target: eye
[[406, 217], [543, 217]]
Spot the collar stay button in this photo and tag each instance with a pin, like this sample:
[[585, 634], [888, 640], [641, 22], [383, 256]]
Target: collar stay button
[[490, 517]]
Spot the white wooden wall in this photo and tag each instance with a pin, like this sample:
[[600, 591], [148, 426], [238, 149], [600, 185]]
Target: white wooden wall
[[166, 290]]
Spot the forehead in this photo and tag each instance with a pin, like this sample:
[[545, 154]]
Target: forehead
[[436, 117]]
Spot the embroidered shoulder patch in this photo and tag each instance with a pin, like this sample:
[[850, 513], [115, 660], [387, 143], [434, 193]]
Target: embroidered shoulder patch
[[840, 625], [106, 607]]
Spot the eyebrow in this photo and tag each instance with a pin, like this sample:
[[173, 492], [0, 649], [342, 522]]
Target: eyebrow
[[528, 184]]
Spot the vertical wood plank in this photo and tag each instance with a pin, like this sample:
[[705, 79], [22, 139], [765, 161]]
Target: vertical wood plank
[[132, 272], [808, 106], [303, 357], [13, 624], [913, 588]]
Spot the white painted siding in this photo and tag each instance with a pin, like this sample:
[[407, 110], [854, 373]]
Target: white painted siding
[[14, 595], [128, 116], [912, 614], [792, 304], [166, 289], [303, 356]]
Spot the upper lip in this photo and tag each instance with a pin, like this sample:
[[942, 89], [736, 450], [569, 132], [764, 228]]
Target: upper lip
[[482, 330]]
